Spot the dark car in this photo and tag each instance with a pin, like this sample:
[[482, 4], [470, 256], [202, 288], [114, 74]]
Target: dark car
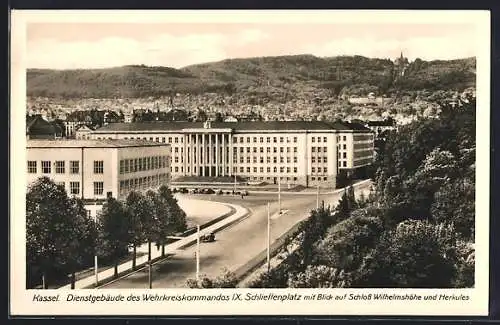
[[207, 238]]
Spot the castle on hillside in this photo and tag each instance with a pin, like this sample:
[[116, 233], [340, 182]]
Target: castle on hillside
[[400, 65]]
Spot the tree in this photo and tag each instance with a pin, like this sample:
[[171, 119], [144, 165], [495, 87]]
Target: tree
[[47, 227], [416, 254], [347, 242], [139, 212], [114, 234], [313, 229], [226, 279], [319, 276], [60, 237], [177, 217]]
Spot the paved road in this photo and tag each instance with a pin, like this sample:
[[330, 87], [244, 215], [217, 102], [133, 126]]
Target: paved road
[[235, 245]]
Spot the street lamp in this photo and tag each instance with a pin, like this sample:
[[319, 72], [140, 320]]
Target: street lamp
[[268, 238], [96, 272], [197, 253]]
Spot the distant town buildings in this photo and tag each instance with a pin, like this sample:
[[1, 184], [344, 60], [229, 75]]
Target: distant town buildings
[[39, 128]]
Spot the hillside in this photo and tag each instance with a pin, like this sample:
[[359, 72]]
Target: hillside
[[277, 78]]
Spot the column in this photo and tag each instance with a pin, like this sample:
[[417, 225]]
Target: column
[[217, 165], [223, 162], [191, 155], [202, 154], [230, 140]]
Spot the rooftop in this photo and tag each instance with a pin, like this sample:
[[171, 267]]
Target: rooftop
[[106, 143], [236, 126]]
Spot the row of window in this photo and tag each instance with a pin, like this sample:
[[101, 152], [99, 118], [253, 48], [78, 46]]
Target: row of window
[[261, 149], [260, 160], [341, 138], [60, 167], [74, 187], [261, 139], [142, 183], [268, 169], [342, 163], [342, 155], [318, 149], [368, 145], [143, 164], [362, 137]]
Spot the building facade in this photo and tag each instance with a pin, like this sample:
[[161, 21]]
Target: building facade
[[95, 169], [305, 153]]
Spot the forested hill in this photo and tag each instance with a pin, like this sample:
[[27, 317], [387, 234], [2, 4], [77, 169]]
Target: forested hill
[[279, 76]]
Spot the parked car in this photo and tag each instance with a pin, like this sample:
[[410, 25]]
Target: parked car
[[244, 193], [219, 192], [207, 238], [184, 190]]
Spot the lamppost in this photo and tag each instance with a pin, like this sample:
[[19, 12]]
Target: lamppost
[[197, 253], [268, 238], [96, 271]]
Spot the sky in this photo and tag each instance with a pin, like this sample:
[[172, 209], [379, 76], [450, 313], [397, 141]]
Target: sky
[[73, 45]]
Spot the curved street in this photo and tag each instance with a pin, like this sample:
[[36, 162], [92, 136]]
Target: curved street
[[235, 245]]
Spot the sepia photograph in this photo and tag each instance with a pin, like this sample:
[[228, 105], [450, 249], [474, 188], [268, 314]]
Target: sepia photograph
[[170, 152]]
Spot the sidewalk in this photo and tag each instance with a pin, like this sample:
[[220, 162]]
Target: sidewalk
[[108, 274]]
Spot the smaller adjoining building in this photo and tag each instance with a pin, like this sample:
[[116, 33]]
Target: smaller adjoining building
[[96, 169]]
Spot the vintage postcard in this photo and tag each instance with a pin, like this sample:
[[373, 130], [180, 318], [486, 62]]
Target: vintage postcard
[[249, 163]]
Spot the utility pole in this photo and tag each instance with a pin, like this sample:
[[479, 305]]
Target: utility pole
[[317, 198], [268, 237], [279, 196], [96, 272], [150, 275], [198, 254], [234, 190]]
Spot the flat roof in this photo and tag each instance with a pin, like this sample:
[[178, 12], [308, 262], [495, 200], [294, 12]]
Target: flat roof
[[235, 126], [104, 143]]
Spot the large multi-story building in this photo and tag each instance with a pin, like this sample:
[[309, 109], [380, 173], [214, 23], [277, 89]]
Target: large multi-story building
[[95, 169], [306, 153]]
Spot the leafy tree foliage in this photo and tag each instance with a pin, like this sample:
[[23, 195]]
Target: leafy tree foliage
[[114, 232], [60, 237]]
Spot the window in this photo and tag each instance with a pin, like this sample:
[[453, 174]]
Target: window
[[313, 149], [288, 169], [254, 160], [268, 169], [157, 139], [324, 149], [32, 167], [268, 160], [281, 149], [313, 159], [281, 159], [98, 188], [241, 139], [261, 150], [176, 140], [242, 160], [261, 160], [313, 178], [313, 169], [261, 169], [319, 139], [255, 169], [261, 139], [325, 170], [325, 160], [287, 149], [268, 139], [268, 149], [345, 163], [294, 149], [122, 166], [344, 155], [248, 139], [248, 169], [281, 139], [294, 169], [46, 167], [248, 149], [319, 169], [248, 160], [254, 139], [275, 149], [176, 169], [313, 139], [176, 149], [345, 138], [294, 139], [345, 146], [254, 149], [274, 139], [294, 159], [74, 188], [242, 150], [98, 166], [163, 139], [325, 139], [275, 160], [282, 169], [169, 139], [287, 160], [61, 184], [319, 149], [275, 169]]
